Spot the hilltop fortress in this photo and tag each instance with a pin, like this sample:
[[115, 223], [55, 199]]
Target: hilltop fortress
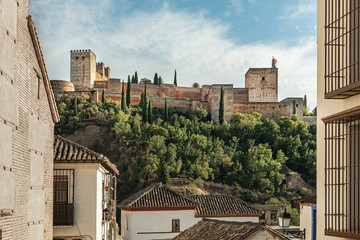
[[87, 77]]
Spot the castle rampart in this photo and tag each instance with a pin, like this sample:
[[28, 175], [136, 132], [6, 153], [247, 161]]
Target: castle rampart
[[259, 95]]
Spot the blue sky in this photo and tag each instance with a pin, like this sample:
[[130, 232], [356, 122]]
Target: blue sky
[[206, 41]]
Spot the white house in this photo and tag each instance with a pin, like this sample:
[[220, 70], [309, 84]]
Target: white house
[[84, 193], [308, 216], [159, 212]]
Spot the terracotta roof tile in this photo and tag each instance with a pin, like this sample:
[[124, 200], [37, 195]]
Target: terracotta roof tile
[[221, 230], [309, 200], [215, 205], [157, 195], [66, 151]]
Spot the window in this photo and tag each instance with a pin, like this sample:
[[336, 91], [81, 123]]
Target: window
[[342, 174], [263, 78], [342, 42], [63, 197], [176, 225]]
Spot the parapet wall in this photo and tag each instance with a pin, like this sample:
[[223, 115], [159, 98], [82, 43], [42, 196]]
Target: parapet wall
[[272, 110], [59, 86]]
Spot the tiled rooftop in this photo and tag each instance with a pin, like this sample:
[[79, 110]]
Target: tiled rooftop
[[221, 230], [216, 205]]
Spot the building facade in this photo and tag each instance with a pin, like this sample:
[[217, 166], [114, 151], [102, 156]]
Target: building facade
[[259, 95], [27, 117], [84, 193], [158, 212], [338, 109]]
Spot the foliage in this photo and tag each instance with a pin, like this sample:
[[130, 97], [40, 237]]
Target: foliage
[[150, 112], [175, 79], [247, 152], [136, 77], [103, 96], [123, 104], [156, 79], [128, 93], [196, 85], [163, 173]]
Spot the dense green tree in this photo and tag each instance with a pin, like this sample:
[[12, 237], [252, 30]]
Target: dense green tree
[[163, 173], [196, 85], [305, 101], [103, 96], [136, 77], [128, 93], [123, 104], [160, 80], [221, 107], [156, 79], [150, 116], [175, 79], [133, 79], [145, 105], [166, 111]]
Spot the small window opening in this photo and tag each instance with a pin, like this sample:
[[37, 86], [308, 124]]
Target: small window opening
[[263, 78], [297, 105], [77, 58], [176, 225], [83, 57]]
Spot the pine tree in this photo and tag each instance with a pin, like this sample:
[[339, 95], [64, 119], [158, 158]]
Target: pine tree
[[133, 79], [149, 112], [221, 108], [175, 79], [128, 93], [103, 96], [156, 79], [136, 77], [166, 111], [163, 173], [123, 96], [145, 105]]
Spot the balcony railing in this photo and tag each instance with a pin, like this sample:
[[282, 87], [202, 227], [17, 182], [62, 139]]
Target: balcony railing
[[63, 214]]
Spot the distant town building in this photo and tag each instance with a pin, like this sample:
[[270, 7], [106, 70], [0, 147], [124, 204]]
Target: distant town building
[[27, 116], [214, 230], [84, 193], [159, 212], [259, 95], [308, 216]]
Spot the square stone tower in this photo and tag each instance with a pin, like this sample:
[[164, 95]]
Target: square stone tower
[[82, 69], [262, 84]]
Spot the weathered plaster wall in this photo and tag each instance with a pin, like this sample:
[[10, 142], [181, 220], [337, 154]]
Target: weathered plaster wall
[[272, 110], [306, 220]]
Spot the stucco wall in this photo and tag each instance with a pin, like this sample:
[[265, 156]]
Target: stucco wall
[[306, 220], [325, 107], [26, 155], [156, 224]]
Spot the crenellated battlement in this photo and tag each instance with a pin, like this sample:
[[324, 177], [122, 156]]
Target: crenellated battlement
[[100, 64], [80, 51]]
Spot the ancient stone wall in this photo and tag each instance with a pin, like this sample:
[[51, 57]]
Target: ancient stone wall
[[82, 69], [241, 95], [214, 101], [272, 110], [296, 106], [262, 84], [310, 120], [59, 86]]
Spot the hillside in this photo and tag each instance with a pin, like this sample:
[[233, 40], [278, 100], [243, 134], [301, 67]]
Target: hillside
[[247, 153]]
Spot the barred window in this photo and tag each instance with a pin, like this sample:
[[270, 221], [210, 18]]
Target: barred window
[[342, 174], [176, 225], [342, 40]]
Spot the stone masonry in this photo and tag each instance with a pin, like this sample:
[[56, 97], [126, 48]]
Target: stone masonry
[[27, 116], [259, 95]]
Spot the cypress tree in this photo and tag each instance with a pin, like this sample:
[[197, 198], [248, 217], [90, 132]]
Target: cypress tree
[[166, 111], [175, 79], [76, 106], [305, 101], [123, 96], [163, 173], [128, 93], [149, 112], [145, 105], [133, 79], [160, 80], [221, 108], [103, 96], [156, 79], [136, 77]]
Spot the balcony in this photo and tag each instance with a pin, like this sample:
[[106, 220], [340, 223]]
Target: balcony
[[63, 214]]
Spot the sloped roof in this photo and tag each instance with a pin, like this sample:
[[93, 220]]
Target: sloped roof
[[45, 76], [306, 201], [221, 230], [157, 196], [217, 205], [66, 151]]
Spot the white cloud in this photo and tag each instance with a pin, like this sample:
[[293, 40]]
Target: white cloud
[[300, 9], [163, 40], [236, 7]]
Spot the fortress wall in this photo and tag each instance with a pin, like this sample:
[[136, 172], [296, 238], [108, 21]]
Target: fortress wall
[[94, 96], [114, 84], [188, 93], [101, 84], [214, 100], [241, 95], [262, 84], [272, 110], [59, 86]]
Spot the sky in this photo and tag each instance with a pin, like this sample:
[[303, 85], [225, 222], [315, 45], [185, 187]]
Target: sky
[[206, 41]]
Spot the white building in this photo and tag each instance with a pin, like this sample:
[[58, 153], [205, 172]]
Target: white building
[[158, 212], [84, 193], [308, 216]]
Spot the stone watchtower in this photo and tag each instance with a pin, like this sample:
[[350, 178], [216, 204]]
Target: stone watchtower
[[262, 83], [82, 69]]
